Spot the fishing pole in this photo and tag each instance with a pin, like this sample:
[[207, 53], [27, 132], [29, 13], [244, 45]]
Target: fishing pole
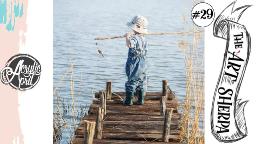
[[151, 33]]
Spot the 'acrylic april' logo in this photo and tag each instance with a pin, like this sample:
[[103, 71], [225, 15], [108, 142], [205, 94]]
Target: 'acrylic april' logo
[[22, 72]]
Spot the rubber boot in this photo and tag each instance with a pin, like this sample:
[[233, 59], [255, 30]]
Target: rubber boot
[[128, 99], [141, 94]]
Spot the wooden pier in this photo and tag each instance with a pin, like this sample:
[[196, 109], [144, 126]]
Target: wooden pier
[[110, 122]]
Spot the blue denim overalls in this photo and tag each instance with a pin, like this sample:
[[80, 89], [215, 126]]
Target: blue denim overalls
[[136, 66]]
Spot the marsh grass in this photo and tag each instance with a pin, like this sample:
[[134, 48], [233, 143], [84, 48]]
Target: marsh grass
[[67, 113], [192, 109]]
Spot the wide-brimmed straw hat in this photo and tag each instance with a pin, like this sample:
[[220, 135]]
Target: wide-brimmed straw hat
[[139, 24]]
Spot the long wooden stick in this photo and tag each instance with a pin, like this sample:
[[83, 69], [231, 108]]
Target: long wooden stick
[[151, 33]]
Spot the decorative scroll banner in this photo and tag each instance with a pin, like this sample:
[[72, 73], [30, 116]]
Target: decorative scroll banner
[[227, 116]]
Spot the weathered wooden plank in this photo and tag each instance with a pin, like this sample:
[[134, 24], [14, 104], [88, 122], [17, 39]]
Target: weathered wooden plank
[[129, 142], [145, 98], [124, 126], [109, 141], [147, 102], [108, 117], [135, 109], [135, 136], [123, 94], [80, 131], [174, 132], [139, 125], [148, 96], [129, 111], [155, 108]]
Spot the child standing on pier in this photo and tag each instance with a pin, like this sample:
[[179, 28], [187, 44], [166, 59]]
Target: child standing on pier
[[136, 61]]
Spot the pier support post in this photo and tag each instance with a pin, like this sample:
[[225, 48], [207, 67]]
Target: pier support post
[[99, 123], [165, 87], [163, 100], [109, 90], [167, 124], [89, 132], [103, 100]]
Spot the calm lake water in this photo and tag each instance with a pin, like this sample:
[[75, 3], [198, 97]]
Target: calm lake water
[[78, 22]]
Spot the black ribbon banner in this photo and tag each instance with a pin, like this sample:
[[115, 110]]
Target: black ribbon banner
[[227, 116]]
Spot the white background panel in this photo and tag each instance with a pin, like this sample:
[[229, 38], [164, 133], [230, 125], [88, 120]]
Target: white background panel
[[36, 105]]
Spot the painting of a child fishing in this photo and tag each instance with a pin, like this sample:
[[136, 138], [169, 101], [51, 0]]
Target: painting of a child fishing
[[127, 72]]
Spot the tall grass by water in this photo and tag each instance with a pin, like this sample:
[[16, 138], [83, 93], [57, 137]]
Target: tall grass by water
[[67, 114], [192, 108]]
